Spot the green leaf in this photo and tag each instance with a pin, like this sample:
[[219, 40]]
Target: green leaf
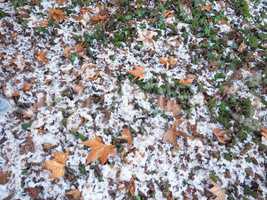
[[26, 126]]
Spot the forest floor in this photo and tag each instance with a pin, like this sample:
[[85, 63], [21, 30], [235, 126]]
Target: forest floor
[[133, 99]]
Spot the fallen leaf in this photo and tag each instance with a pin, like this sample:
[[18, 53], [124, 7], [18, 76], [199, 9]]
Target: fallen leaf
[[74, 194], [4, 177], [242, 47], [217, 191], [56, 14], [170, 136], [131, 187], [137, 72], [126, 135], [60, 157], [169, 62], [26, 86], [78, 88], [168, 13], [41, 57], [57, 169], [146, 37], [33, 192], [264, 132], [43, 23], [221, 135], [206, 7], [169, 105], [99, 18], [188, 80], [27, 146], [99, 150], [61, 1]]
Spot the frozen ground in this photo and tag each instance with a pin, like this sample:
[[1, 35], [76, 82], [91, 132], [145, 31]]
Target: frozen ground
[[174, 90]]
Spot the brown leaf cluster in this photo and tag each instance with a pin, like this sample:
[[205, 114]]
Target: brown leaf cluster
[[99, 150]]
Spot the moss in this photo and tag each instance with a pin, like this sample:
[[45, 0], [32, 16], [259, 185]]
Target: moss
[[241, 7]]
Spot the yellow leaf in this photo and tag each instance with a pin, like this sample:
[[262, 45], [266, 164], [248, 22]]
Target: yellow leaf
[[126, 135], [137, 72], [57, 169], [131, 187]]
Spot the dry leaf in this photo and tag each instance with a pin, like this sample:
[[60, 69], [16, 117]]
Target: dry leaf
[[138, 72], [169, 62], [171, 134], [221, 135], [131, 187], [57, 169], [33, 192], [188, 80], [43, 23], [169, 105], [126, 135], [26, 86], [4, 177], [74, 194], [99, 18], [60, 157], [61, 1], [56, 14], [168, 13], [242, 47], [218, 192], [41, 57], [264, 132], [99, 150], [78, 88], [146, 37], [207, 7]]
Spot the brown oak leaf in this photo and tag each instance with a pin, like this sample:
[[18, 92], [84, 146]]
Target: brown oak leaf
[[57, 169]]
